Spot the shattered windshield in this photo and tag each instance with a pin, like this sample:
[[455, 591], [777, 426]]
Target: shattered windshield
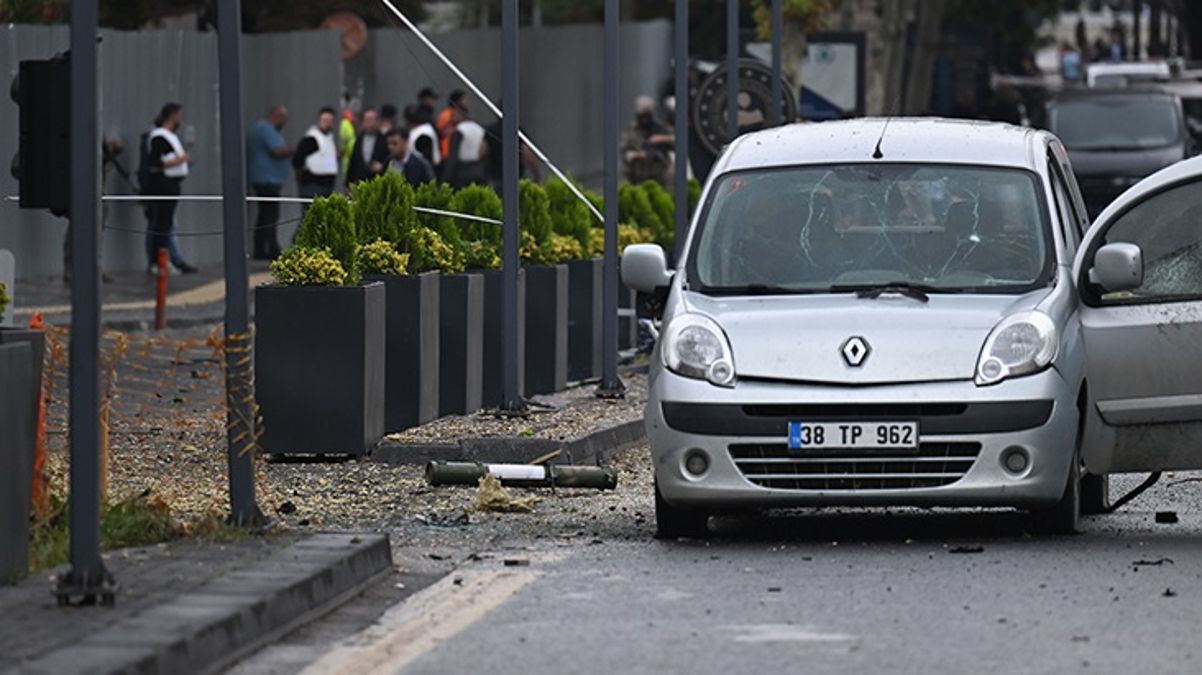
[[1116, 123], [813, 229]]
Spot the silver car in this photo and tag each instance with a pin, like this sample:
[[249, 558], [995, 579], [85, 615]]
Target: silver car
[[912, 313]]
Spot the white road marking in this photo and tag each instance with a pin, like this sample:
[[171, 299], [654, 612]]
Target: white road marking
[[779, 632]]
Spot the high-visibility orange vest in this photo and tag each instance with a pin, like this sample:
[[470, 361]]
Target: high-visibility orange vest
[[446, 129]]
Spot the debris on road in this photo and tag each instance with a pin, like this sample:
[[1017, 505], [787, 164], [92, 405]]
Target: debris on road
[[517, 562], [966, 549], [1166, 517], [439, 474], [1157, 562], [1169, 593], [492, 496]]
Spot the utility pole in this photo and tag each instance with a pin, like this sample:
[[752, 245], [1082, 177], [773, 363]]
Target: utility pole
[[778, 25], [682, 127], [732, 70], [611, 386], [87, 580], [511, 397], [239, 382]]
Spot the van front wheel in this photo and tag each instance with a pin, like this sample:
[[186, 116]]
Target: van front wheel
[[672, 522]]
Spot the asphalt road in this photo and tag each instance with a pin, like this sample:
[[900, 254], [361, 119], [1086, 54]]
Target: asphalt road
[[819, 591]]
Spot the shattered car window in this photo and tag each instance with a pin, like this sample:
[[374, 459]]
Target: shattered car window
[[808, 229], [1168, 229]]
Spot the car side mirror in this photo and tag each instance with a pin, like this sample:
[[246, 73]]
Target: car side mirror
[[1118, 267], [645, 268]]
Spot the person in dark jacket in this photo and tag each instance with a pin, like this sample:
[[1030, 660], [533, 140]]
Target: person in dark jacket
[[412, 165], [167, 166], [369, 157], [316, 158]]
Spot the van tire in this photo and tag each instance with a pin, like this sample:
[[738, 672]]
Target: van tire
[[672, 522], [1095, 494]]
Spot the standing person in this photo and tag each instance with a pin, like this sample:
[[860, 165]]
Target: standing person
[[464, 163], [448, 118], [647, 145], [167, 165], [316, 158], [267, 167], [369, 154], [412, 165], [528, 166], [427, 103], [422, 136], [387, 118]]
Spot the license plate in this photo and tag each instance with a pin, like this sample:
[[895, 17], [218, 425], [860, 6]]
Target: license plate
[[851, 435]]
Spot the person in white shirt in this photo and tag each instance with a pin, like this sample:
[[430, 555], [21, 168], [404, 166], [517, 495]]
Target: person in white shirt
[[168, 165], [423, 137], [464, 165], [316, 158]]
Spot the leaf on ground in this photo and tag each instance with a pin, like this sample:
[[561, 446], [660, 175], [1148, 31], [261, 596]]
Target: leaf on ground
[[492, 496]]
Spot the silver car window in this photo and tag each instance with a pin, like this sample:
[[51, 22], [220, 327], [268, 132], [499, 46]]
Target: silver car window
[[1168, 229], [949, 227]]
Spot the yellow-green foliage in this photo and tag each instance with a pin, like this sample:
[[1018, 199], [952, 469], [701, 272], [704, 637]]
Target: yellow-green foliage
[[305, 266], [330, 225], [381, 258], [629, 234], [596, 242], [481, 255], [530, 250], [5, 298], [428, 251], [563, 248]]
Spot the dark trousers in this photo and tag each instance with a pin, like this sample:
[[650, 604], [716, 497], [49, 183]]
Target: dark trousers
[[162, 220], [267, 244]]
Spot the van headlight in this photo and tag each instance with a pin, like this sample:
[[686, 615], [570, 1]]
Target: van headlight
[[1020, 345], [694, 346]]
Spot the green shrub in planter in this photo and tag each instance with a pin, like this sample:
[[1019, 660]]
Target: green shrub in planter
[[484, 202], [534, 218], [564, 248], [5, 299], [329, 224], [382, 208], [434, 195], [306, 266], [570, 216], [380, 258], [481, 255], [429, 252], [664, 206], [634, 208]]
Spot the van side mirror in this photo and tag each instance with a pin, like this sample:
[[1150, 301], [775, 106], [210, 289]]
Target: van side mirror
[[1118, 267], [645, 268]]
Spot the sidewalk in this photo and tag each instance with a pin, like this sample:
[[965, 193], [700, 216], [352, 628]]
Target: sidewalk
[[192, 606], [128, 300]]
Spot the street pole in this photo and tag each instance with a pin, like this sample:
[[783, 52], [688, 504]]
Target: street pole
[[732, 69], [611, 386], [88, 579], [775, 111], [239, 383], [682, 127], [511, 397]]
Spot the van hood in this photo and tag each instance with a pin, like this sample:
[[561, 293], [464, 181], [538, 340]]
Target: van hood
[[800, 338], [1124, 163]]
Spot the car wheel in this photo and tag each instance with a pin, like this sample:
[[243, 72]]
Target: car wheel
[[1064, 517], [1095, 494], [672, 522]]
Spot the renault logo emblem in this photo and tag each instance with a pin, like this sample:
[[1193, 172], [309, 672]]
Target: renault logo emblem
[[855, 351]]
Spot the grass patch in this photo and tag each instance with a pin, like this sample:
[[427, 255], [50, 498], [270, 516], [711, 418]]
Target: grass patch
[[140, 520]]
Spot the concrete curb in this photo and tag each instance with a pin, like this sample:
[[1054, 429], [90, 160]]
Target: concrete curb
[[208, 630], [593, 448]]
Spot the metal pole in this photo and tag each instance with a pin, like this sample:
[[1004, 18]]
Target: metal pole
[[88, 577], [511, 397], [682, 126], [611, 386], [732, 69], [775, 111], [239, 383]]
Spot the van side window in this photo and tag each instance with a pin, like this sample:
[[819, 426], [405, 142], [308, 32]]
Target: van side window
[[1069, 221], [1168, 229]]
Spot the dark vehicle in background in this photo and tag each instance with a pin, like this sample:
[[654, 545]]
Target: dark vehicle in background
[[1117, 138]]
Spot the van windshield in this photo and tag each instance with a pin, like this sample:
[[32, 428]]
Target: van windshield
[[817, 229], [1116, 123]]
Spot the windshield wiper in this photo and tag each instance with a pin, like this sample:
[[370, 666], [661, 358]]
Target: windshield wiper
[[919, 292]]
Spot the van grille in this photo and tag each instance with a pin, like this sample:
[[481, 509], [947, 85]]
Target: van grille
[[774, 465]]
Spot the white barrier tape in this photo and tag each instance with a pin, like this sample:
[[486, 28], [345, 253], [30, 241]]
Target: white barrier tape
[[491, 106]]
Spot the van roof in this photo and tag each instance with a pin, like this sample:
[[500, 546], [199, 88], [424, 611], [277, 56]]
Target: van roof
[[913, 140]]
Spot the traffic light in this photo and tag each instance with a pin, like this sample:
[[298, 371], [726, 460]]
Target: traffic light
[[42, 167]]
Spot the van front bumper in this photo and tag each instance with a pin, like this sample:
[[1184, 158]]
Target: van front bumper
[[967, 434]]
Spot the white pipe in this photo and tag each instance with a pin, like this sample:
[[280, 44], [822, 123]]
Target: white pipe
[[491, 106]]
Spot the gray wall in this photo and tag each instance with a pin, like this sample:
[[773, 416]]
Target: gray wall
[[561, 107], [139, 72], [561, 83]]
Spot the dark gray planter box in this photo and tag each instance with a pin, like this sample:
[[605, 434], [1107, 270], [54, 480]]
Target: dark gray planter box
[[319, 368], [461, 344], [18, 438], [546, 329], [585, 287], [411, 361], [493, 353]]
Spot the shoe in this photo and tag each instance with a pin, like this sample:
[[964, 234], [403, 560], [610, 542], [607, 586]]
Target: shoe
[[185, 268], [153, 271]]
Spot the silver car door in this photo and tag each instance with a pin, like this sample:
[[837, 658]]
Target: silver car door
[[1144, 346]]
